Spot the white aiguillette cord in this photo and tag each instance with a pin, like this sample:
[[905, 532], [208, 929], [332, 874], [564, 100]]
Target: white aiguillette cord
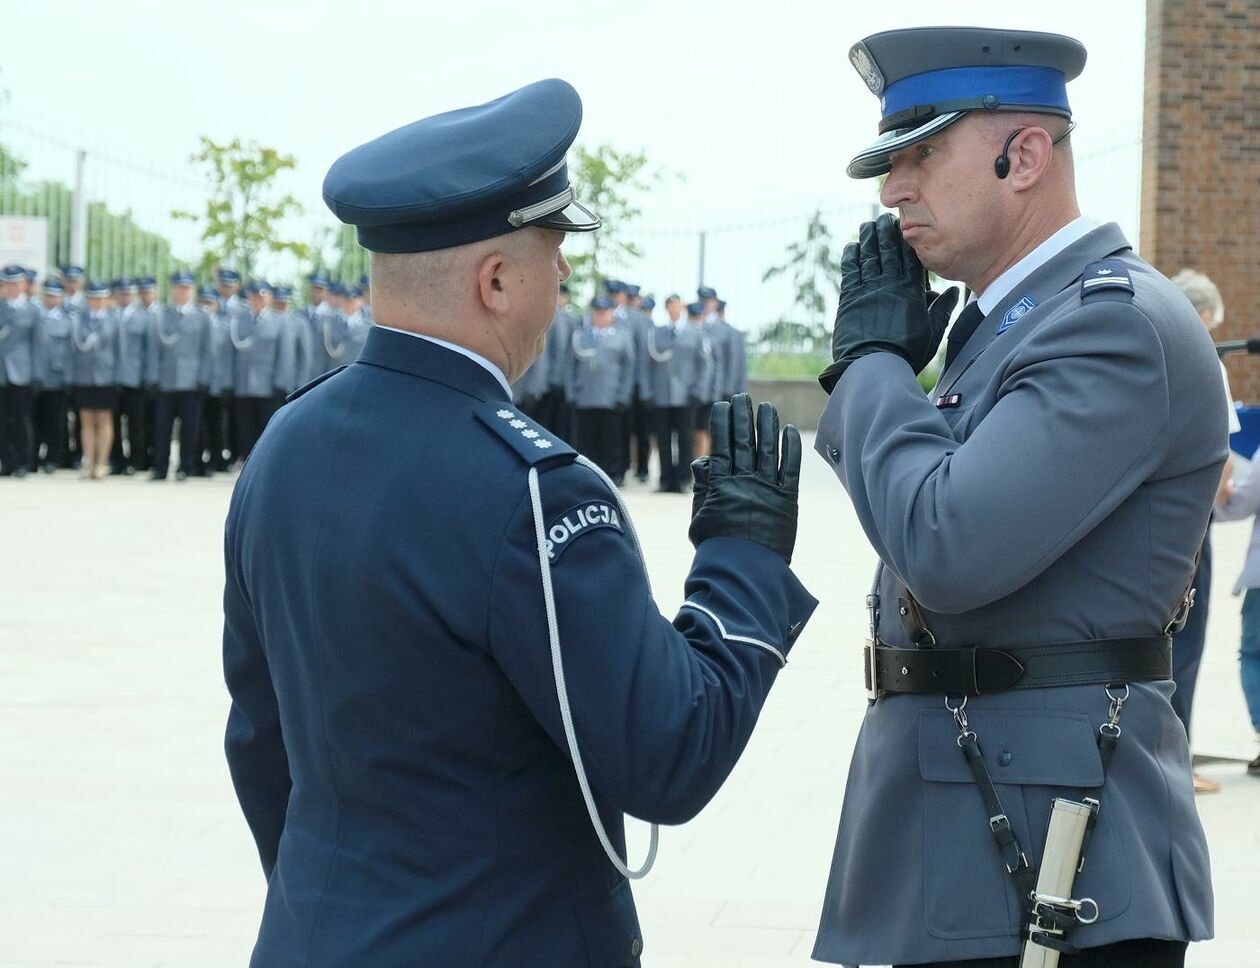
[[557, 665]]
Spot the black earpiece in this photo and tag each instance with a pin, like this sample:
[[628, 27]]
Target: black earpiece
[[1002, 163]]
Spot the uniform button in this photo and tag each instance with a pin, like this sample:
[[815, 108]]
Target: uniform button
[[1004, 758], [636, 946]]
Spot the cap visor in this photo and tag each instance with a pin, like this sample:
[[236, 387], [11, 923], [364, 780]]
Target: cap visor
[[875, 159], [574, 217]]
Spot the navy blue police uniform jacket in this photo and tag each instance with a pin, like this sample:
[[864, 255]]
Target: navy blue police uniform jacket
[[395, 738]]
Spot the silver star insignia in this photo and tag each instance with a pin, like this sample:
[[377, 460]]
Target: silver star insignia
[[542, 444], [505, 414], [529, 434], [518, 424]]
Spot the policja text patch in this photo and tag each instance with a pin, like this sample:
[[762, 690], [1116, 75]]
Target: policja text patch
[[577, 521]]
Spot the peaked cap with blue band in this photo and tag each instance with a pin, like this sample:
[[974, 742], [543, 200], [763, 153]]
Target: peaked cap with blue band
[[927, 78], [466, 175]]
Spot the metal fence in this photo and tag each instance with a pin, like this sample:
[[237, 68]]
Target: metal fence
[[112, 213]]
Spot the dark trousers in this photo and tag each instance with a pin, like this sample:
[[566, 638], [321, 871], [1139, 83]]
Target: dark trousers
[[129, 414], [17, 434], [52, 428], [556, 415], [642, 427], [598, 436], [74, 440], [252, 414], [215, 437], [186, 405], [1188, 643], [1142, 953], [675, 445]]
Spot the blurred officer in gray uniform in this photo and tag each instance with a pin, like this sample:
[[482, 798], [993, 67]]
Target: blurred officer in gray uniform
[[677, 382], [640, 421], [293, 358], [216, 420], [180, 370], [529, 393], [18, 316], [52, 362], [557, 415], [94, 376], [1036, 518], [730, 356], [358, 323], [152, 306], [255, 335], [365, 285], [600, 381], [133, 348], [413, 691], [317, 284], [74, 300]]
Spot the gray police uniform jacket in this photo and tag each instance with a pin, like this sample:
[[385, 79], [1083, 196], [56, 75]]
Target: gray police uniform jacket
[[94, 341], [535, 381], [221, 369], [1059, 492], [680, 373], [256, 340], [293, 359], [134, 323], [179, 354], [17, 338], [730, 359], [559, 346], [52, 349], [601, 368]]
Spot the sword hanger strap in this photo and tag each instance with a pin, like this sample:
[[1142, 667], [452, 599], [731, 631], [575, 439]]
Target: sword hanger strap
[[912, 622]]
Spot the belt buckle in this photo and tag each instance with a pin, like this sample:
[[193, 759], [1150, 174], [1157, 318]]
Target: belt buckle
[[873, 692]]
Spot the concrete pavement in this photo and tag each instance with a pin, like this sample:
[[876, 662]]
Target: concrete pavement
[[123, 843]]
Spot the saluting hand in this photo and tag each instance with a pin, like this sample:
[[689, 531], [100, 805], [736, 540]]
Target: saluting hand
[[747, 487], [885, 305]]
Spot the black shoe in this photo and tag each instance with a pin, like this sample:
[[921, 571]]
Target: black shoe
[[50, 468], [619, 479], [1253, 768], [181, 476], [19, 472], [155, 476], [641, 477]]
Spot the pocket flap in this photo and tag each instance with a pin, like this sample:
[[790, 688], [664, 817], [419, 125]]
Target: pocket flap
[[610, 926], [1020, 747]]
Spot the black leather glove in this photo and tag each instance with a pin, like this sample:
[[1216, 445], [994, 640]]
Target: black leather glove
[[885, 305], [746, 487]]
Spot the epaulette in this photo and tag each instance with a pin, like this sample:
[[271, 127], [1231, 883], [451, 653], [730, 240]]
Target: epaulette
[[1107, 280], [314, 383], [531, 440]]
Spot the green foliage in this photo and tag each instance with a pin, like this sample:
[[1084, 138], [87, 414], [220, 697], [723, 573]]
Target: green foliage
[[115, 244], [785, 366], [813, 266], [241, 218], [606, 181]]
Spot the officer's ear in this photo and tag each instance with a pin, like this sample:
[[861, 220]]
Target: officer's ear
[[490, 283], [1030, 155]]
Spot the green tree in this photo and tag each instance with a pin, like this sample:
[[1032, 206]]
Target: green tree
[[607, 180], [813, 266], [242, 215]]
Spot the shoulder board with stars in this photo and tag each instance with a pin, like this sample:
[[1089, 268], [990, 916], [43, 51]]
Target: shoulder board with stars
[[533, 442]]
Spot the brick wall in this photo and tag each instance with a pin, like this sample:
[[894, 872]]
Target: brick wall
[[1201, 158]]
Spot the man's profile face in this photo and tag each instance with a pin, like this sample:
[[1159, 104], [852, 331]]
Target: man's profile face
[[674, 308], [180, 294], [51, 300], [945, 190], [601, 318], [316, 295]]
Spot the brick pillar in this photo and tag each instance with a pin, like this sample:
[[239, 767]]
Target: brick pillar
[[1201, 158]]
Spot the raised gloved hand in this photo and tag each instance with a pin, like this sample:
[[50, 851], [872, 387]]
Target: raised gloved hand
[[884, 303], [747, 488]]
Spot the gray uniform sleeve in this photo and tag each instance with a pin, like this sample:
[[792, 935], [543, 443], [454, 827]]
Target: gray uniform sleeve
[[1080, 422], [1245, 501]]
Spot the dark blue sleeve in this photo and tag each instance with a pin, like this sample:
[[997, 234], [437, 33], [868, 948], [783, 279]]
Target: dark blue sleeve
[[661, 710], [255, 748]]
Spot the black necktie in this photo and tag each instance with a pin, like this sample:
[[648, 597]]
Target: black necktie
[[966, 324]]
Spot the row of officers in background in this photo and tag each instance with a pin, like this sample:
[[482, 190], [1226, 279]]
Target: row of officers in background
[[612, 380], [96, 374]]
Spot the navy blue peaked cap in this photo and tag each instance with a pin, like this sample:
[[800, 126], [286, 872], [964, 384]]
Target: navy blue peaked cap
[[927, 78], [466, 175]]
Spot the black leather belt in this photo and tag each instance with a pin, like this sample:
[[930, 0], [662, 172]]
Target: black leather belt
[[973, 671]]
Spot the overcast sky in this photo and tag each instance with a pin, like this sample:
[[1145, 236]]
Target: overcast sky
[[754, 104]]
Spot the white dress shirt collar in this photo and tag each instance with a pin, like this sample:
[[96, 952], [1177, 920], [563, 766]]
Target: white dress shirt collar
[[1001, 287], [462, 351]]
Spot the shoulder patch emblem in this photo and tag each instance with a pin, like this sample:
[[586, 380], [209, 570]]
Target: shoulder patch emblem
[[577, 521], [1017, 312], [1106, 274], [530, 440]]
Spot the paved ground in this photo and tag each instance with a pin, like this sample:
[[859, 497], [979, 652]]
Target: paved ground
[[122, 843]]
